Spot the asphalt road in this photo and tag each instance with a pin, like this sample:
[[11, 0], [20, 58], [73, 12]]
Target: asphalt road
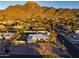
[[27, 49]]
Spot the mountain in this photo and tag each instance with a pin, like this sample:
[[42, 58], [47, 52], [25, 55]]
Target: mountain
[[32, 10]]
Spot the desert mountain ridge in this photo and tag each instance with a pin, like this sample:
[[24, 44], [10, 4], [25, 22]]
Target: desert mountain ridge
[[32, 10]]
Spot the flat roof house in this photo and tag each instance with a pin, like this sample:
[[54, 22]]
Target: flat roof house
[[33, 36]]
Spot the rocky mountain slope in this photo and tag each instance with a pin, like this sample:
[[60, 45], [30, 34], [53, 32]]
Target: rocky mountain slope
[[32, 10]]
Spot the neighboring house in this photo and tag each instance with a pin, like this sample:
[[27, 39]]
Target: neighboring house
[[19, 26], [6, 35], [77, 30], [38, 28]]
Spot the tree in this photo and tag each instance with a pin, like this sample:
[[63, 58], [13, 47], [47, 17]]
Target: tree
[[51, 23]]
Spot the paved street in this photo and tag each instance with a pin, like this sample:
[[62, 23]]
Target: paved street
[[26, 49]]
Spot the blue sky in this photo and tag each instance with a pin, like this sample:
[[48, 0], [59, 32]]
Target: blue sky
[[56, 4]]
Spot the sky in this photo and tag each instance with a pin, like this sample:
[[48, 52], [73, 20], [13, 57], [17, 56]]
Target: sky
[[56, 4]]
